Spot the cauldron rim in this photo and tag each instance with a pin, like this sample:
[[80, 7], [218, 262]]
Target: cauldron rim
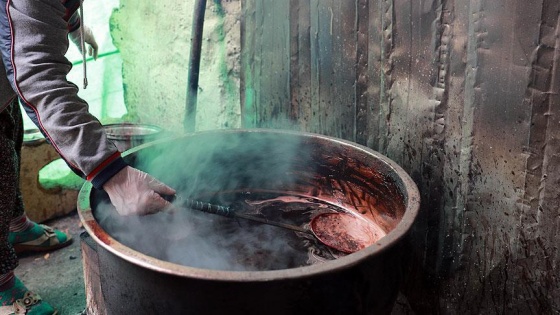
[[101, 237]]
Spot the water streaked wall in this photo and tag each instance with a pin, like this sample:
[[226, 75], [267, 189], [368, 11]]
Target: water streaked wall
[[462, 94]]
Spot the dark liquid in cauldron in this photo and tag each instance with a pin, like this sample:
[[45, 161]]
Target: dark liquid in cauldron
[[202, 240]]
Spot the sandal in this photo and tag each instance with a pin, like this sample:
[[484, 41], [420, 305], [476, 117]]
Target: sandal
[[29, 304], [39, 238]]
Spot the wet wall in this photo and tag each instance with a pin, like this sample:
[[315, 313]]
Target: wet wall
[[462, 94]]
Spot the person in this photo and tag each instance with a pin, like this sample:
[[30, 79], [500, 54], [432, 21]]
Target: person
[[33, 42]]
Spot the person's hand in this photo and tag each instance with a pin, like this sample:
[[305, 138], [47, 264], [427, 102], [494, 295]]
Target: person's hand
[[134, 192], [89, 39]]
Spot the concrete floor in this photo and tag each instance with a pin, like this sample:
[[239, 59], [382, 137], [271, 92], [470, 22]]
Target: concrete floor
[[58, 276]]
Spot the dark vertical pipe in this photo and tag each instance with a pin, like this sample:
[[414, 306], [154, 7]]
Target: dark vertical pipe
[[194, 65]]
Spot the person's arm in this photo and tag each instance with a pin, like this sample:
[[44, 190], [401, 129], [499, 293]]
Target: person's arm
[[75, 34], [34, 44]]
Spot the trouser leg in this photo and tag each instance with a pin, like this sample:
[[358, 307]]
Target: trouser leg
[[11, 205]]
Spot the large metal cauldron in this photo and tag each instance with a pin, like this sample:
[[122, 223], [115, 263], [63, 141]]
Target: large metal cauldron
[[122, 280]]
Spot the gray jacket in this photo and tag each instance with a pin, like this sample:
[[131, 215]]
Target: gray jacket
[[33, 43]]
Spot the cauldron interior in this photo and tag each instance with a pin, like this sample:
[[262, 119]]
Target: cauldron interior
[[332, 170]]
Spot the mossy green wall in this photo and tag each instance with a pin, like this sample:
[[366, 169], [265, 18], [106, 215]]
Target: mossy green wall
[[154, 42]]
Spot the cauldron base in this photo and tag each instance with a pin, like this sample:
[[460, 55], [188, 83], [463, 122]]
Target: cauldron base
[[109, 283]]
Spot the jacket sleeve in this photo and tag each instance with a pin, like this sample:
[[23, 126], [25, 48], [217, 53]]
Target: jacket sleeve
[[34, 39]]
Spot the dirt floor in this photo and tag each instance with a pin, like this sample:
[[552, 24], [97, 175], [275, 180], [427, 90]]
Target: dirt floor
[[58, 276]]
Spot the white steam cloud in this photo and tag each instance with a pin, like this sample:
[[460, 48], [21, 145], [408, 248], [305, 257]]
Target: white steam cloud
[[218, 168]]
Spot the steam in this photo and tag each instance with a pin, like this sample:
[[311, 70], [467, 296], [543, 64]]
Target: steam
[[201, 240], [226, 162], [202, 168]]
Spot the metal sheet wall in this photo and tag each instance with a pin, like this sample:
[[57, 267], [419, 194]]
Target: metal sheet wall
[[464, 95]]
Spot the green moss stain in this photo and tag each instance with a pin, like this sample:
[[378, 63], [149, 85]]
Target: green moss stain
[[57, 175]]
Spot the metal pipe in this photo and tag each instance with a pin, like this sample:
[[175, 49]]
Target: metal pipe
[[194, 65], [230, 212]]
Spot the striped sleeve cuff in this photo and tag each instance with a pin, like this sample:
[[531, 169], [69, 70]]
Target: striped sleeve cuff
[[107, 172]]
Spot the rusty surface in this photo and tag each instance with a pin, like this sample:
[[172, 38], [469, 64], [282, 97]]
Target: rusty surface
[[345, 232], [464, 96], [95, 302]]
